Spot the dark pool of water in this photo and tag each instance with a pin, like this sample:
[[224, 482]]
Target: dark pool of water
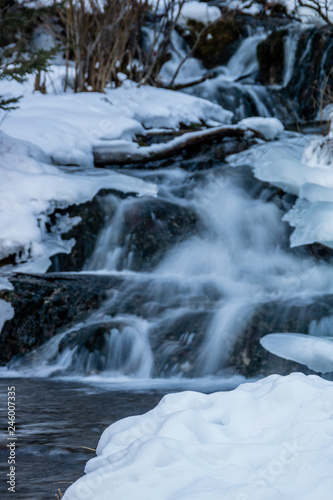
[[54, 420]]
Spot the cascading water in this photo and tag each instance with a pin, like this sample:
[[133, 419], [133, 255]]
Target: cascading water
[[188, 296]]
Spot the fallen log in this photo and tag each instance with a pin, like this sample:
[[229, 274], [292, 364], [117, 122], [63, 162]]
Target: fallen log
[[126, 152]]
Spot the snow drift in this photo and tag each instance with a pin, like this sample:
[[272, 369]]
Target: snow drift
[[272, 439]]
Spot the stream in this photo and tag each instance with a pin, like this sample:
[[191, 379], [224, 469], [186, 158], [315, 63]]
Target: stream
[[193, 279]]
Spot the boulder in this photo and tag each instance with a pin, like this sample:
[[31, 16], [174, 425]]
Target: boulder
[[44, 304]]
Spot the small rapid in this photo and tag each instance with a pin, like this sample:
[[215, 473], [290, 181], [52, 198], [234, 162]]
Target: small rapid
[[205, 268], [184, 316]]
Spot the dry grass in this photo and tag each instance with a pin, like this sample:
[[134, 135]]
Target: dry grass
[[99, 39]]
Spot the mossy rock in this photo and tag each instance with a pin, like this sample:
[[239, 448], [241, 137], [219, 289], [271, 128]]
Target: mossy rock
[[270, 53], [217, 42]]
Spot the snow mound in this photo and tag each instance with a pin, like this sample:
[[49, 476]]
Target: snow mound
[[306, 15], [161, 108], [199, 12], [272, 439]]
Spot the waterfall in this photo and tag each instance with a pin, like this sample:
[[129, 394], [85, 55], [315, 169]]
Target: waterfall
[[185, 316]]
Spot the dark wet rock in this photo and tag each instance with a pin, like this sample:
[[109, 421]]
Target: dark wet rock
[[219, 41], [149, 228], [215, 44], [312, 76], [320, 252], [270, 53], [10, 260], [249, 358], [45, 303], [92, 349], [93, 216]]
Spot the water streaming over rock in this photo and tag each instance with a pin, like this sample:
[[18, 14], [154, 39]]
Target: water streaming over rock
[[205, 268]]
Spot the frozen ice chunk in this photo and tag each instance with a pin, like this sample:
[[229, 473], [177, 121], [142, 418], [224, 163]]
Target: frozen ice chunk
[[314, 352]]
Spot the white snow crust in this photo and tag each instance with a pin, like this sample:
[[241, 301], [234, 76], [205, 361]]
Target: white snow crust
[[305, 14], [270, 128], [272, 439]]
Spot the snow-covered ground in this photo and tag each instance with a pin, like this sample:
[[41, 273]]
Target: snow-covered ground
[[199, 12], [272, 439]]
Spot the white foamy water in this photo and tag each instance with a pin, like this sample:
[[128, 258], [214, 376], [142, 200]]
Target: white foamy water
[[208, 286]]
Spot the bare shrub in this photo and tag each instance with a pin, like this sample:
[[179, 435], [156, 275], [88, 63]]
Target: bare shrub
[[105, 37]]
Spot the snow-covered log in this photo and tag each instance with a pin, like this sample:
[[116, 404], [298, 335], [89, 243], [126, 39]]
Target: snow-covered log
[[125, 152]]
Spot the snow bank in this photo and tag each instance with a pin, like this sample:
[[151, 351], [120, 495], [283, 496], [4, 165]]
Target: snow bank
[[199, 12], [272, 439], [68, 126], [31, 189]]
